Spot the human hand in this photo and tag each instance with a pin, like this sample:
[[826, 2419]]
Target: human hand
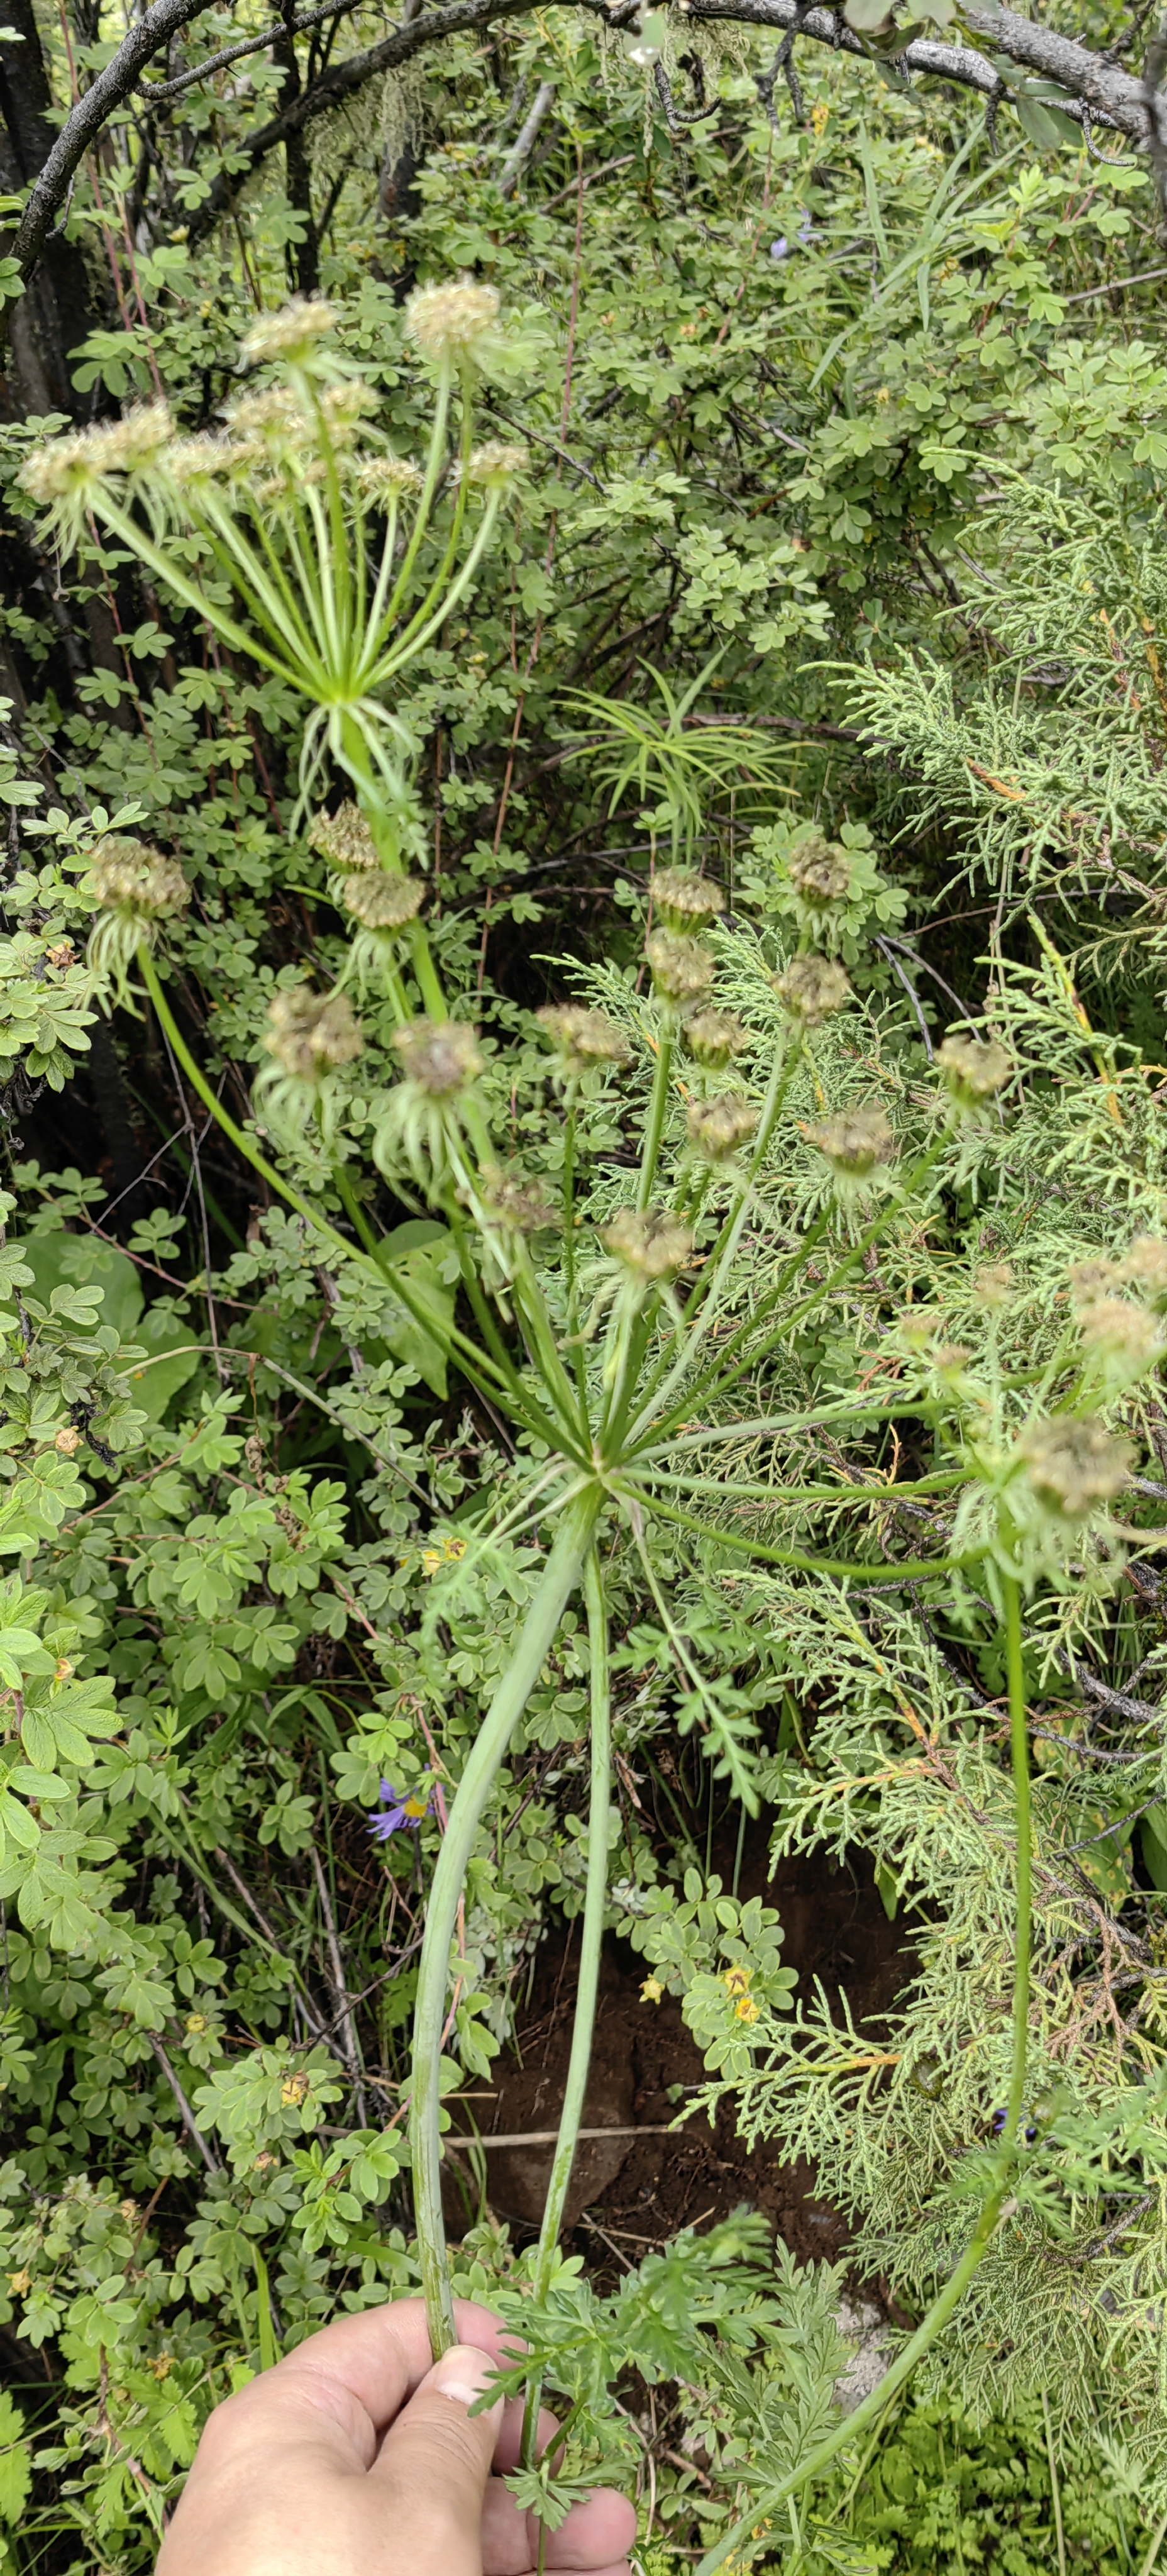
[[355, 2457]]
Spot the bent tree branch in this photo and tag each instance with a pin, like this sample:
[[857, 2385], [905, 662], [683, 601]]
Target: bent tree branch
[[1096, 90]]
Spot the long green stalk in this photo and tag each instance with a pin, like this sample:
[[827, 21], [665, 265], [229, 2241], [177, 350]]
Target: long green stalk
[[655, 1126], [588, 1980], [766, 2504], [560, 1576]]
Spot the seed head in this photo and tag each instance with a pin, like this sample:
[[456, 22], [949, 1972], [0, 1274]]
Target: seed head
[[344, 406], [855, 1143], [974, 1069], [714, 1038], [494, 465], [682, 970], [811, 988], [995, 1284], [519, 1205], [584, 1038], [1121, 1332], [309, 1034], [820, 872], [191, 461], [64, 469], [384, 480], [129, 876], [1145, 1265], [1075, 1465], [1090, 1280], [685, 901], [345, 838], [382, 902], [272, 417], [440, 1056], [450, 324], [67, 469], [717, 1127], [291, 334], [125, 446], [648, 1242]]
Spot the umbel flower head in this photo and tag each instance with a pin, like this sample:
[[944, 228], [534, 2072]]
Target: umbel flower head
[[684, 900], [493, 465], [714, 1038], [682, 969], [974, 1071], [1145, 1265], [137, 888], [1093, 1279], [1074, 1466], [820, 871], [515, 1204], [1121, 1338], [386, 480], [648, 1243], [857, 1143], [383, 902], [717, 1127], [819, 874], [345, 838], [422, 1124], [129, 876], [452, 326], [66, 474], [310, 1037], [585, 1040], [291, 334], [440, 1056], [810, 989], [311, 1034]]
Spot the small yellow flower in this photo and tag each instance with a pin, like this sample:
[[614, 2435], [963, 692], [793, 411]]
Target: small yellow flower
[[883, 394], [820, 118], [196, 2022], [747, 2010], [63, 1670], [19, 2282], [651, 1991], [737, 1981], [293, 2091], [431, 1558], [161, 2366], [453, 1550]]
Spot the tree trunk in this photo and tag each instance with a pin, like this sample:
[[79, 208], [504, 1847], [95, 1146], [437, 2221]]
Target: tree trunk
[[55, 314]]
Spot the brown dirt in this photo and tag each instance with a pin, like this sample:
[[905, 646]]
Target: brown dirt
[[634, 2191]]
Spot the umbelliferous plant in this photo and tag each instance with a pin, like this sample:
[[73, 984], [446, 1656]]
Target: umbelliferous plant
[[669, 1330]]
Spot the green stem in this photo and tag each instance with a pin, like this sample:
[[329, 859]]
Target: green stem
[[560, 1576], [656, 1116], [766, 2505], [588, 1979], [1158, 2536], [702, 1391], [1019, 1749]]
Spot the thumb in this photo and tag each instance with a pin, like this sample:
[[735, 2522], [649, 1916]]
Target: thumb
[[434, 2463]]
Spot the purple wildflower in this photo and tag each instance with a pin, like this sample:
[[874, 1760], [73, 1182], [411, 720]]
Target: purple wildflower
[[403, 1812], [1027, 2126]]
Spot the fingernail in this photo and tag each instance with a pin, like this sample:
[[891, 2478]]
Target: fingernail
[[463, 2374]]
